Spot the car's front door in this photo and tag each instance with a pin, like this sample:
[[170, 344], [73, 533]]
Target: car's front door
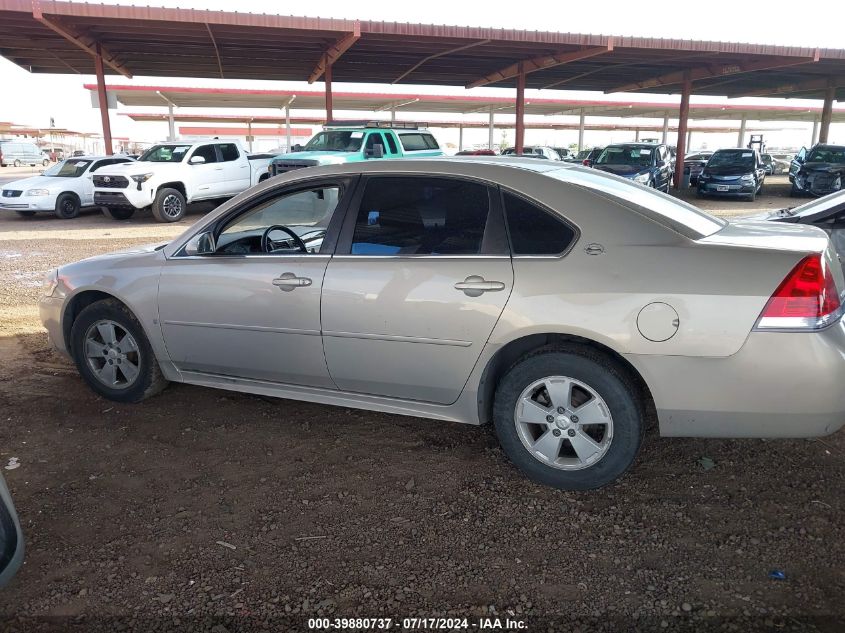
[[251, 308], [420, 276], [207, 176]]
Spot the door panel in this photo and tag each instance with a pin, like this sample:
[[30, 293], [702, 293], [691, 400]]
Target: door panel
[[225, 316], [398, 326]]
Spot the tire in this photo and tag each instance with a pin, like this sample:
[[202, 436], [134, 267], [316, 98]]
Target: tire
[[67, 206], [118, 213], [25, 214], [169, 205], [17, 163], [614, 395], [118, 352]]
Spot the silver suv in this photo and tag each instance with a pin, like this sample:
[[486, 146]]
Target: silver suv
[[17, 153]]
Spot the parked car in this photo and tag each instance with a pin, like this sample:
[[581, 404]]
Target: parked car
[[694, 165], [11, 537], [645, 163], [17, 153], [168, 176], [819, 171], [586, 157], [63, 189], [534, 151], [737, 173], [78, 152], [563, 152], [351, 142], [476, 152], [399, 286]]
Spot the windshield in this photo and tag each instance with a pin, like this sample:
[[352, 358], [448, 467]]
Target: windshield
[[336, 141], [733, 158], [698, 157], [827, 155], [68, 168], [165, 154], [831, 202], [636, 156]]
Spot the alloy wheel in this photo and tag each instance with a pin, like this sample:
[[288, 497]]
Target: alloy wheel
[[172, 206], [112, 354]]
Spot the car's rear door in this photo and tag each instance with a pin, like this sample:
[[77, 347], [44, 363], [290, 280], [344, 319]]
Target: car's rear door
[[236, 169], [420, 276]]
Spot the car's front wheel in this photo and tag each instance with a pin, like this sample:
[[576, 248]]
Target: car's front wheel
[[569, 418], [169, 205], [113, 354], [67, 206]]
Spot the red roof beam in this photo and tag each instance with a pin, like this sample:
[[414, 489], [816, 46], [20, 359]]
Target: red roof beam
[[335, 51], [713, 71], [541, 63]]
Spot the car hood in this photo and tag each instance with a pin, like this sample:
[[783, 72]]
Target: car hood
[[37, 182], [621, 170], [824, 167], [322, 158], [130, 253]]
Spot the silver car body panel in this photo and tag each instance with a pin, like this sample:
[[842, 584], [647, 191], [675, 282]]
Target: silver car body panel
[[399, 338]]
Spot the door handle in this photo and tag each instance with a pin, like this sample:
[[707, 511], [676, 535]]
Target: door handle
[[288, 281], [218, 169], [475, 286]]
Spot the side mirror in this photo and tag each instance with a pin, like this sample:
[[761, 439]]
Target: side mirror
[[201, 244], [11, 537], [376, 152], [196, 160], [296, 148]]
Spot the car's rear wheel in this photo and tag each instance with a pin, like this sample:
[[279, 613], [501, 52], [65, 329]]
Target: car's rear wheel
[[67, 206], [17, 163], [169, 205], [118, 213], [25, 214], [569, 418], [113, 354]]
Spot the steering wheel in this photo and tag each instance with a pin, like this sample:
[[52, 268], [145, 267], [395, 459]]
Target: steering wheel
[[266, 242]]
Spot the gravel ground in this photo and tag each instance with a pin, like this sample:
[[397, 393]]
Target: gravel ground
[[216, 511]]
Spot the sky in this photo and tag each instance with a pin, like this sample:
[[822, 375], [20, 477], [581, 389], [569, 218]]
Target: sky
[[37, 98]]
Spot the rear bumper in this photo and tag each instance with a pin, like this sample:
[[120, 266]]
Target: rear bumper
[[779, 384]]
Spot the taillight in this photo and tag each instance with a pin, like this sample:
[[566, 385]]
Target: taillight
[[587, 162], [806, 300]]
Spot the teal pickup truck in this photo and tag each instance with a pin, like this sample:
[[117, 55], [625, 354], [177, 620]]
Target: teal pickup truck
[[348, 142]]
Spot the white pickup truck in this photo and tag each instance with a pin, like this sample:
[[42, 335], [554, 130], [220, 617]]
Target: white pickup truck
[[169, 176]]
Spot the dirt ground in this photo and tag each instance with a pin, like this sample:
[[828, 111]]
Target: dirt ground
[[210, 510]]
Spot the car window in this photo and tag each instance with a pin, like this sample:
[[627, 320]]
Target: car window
[[229, 151], [391, 143], [534, 231], [165, 154], [416, 141], [830, 154], [375, 138], [306, 212], [421, 216], [208, 152], [71, 168], [336, 141], [98, 164]]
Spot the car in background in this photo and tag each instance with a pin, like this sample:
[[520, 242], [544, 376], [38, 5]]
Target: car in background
[[585, 157], [531, 293], [694, 165], [476, 152], [63, 189], [735, 173], [11, 537], [648, 164], [563, 152], [533, 151], [78, 152], [356, 141], [17, 153], [819, 171]]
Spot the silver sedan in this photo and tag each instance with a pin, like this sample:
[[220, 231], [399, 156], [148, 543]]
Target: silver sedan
[[562, 304]]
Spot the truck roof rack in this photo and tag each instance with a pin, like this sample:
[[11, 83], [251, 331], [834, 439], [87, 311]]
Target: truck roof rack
[[406, 125]]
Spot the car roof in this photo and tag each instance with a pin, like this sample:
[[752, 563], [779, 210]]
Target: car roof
[[648, 145]]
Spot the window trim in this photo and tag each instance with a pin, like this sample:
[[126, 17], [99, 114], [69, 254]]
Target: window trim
[[347, 184], [546, 209], [495, 214]]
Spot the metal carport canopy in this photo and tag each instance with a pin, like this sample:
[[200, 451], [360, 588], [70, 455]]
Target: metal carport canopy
[[67, 37]]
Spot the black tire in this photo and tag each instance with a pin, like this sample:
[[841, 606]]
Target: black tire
[[169, 205], [17, 163], [607, 379], [149, 380], [67, 206], [118, 213], [25, 214]]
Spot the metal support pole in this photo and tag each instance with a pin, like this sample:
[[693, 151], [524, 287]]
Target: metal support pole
[[689, 140], [490, 130], [740, 140], [581, 130], [520, 110], [249, 134], [171, 123], [287, 126], [815, 137], [665, 130], [104, 102], [392, 115], [460, 138], [636, 136], [683, 123], [327, 78], [827, 113]]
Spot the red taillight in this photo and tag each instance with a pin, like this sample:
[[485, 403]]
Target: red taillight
[[806, 298], [587, 162]]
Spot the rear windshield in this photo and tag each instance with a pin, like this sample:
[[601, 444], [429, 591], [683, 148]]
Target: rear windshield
[[827, 155], [676, 214], [740, 158], [416, 141]]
